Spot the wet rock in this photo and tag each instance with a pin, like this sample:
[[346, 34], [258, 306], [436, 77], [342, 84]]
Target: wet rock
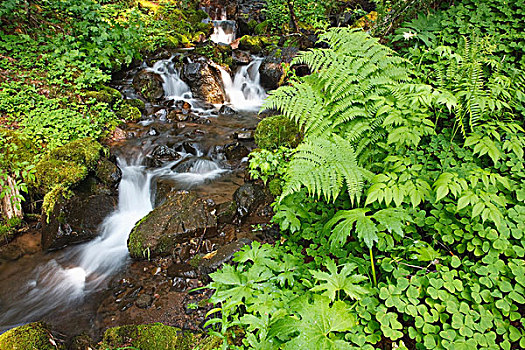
[[163, 187], [248, 197], [144, 301], [75, 220], [188, 147], [177, 115], [236, 151], [82, 342], [226, 212], [241, 57], [271, 72], [227, 111], [181, 270], [149, 85], [211, 262], [179, 285], [244, 135], [153, 132], [108, 172], [36, 335], [204, 81], [181, 217], [28, 243], [160, 155]]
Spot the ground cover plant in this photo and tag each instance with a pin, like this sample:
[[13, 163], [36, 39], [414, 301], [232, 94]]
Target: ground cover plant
[[402, 208]]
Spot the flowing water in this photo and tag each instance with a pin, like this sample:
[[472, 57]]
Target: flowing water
[[62, 287]]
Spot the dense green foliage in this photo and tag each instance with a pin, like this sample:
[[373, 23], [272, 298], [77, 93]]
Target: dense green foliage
[[403, 207], [54, 58]]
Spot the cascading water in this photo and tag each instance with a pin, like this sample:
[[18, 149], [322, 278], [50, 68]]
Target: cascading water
[[174, 87], [223, 31], [245, 92], [65, 280]]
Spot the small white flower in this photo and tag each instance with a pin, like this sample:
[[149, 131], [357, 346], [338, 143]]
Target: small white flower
[[408, 35]]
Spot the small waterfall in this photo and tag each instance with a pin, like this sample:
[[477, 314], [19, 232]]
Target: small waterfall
[[64, 281], [173, 85], [245, 92], [224, 31]]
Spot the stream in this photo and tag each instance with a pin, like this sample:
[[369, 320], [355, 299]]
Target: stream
[[64, 287]]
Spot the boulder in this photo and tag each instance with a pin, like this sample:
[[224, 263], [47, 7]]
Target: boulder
[[146, 337], [271, 71], [276, 131], [236, 151], [149, 85], [227, 111], [75, 220], [241, 57], [160, 155], [204, 81], [248, 198], [28, 337], [181, 217]]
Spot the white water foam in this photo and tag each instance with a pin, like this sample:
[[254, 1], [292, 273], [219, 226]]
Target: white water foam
[[174, 86], [66, 280], [245, 92]]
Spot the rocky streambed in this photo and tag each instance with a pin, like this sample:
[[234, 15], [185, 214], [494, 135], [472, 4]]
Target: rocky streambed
[[179, 169]]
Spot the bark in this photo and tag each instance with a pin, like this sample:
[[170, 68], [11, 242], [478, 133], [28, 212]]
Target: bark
[[10, 203]]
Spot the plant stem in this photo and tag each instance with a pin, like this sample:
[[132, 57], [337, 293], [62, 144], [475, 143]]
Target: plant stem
[[373, 267]]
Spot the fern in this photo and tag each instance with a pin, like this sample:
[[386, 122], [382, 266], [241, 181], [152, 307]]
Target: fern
[[324, 165], [341, 109]]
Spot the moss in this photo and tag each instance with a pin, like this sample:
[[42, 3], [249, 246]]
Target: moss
[[84, 151], [104, 94], [276, 131], [275, 187], [128, 112], [8, 227], [135, 102], [57, 193], [66, 165], [261, 28], [52, 172], [195, 261], [253, 44], [147, 337], [136, 245], [29, 337]]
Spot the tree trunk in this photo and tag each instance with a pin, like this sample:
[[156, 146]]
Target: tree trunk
[[293, 17], [10, 203]]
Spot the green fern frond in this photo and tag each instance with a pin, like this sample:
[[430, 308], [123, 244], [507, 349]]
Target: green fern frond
[[323, 166]]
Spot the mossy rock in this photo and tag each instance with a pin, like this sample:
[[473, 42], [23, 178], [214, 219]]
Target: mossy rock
[[257, 43], [273, 132], [135, 102], [104, 94], [147, 337], [85, 151], [29, 337], [181, 217], [49, 172], [128, 112], [275, 187], [66, 165]]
